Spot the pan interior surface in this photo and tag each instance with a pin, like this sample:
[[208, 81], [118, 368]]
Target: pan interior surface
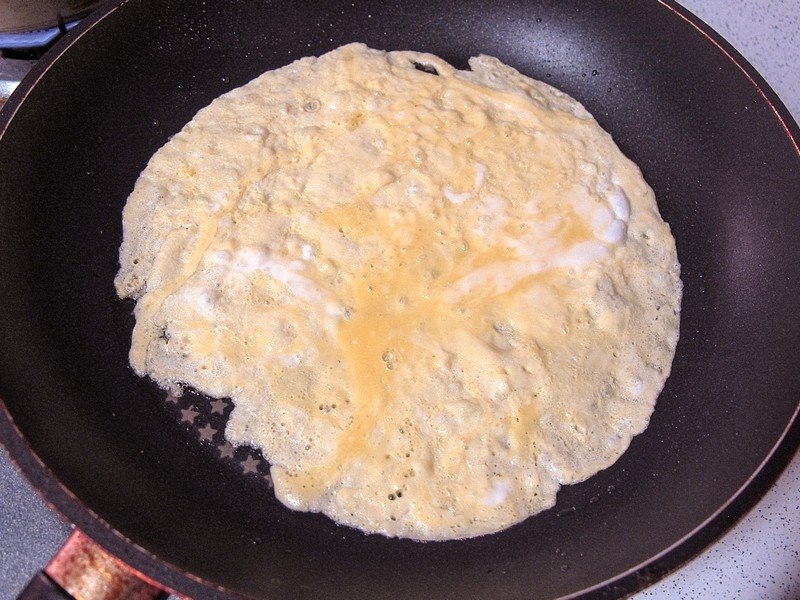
[[726, 173]]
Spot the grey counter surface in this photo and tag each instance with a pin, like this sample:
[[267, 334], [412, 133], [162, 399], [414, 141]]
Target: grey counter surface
[[759, 558]]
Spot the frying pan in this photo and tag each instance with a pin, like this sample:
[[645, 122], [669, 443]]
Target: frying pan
[[139, 474]]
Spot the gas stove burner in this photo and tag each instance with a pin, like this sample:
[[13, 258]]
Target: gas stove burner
[[33, 40], [20, 51]]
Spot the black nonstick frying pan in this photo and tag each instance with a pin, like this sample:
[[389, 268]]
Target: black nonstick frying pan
[[151, 479]]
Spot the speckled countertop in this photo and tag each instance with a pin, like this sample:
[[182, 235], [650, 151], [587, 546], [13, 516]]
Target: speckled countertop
[[758, 559]]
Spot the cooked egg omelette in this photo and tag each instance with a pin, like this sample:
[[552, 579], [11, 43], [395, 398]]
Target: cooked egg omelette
[[434, 296]]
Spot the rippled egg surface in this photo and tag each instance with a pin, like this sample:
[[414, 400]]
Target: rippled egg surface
[[434, 296]]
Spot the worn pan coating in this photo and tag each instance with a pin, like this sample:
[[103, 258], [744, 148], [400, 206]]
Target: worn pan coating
[[103, 447]]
